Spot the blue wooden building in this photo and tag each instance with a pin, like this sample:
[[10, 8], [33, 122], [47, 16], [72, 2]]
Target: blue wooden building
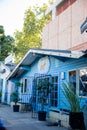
[[57, 66], [5, 70]]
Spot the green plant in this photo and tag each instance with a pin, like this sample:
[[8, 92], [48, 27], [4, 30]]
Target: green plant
[[15, 97], [72, 98], [43, 87]]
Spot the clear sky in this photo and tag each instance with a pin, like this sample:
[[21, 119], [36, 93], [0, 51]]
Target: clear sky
[[12, 13]]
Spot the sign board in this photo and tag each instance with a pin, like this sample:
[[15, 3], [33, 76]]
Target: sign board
[[43, 65]]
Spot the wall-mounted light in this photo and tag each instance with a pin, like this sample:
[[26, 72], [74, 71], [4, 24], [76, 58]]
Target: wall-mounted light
[[62, 75], [83, 27]]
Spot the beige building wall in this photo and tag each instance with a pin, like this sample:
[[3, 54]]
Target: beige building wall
[[64, 31]]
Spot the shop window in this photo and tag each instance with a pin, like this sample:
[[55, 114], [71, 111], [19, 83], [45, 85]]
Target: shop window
[[83, 82], [79, 81], [54, 92]]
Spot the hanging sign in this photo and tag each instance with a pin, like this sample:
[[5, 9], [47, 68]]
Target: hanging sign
[[43, 65]]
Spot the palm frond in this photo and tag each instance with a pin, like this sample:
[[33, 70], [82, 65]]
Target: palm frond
[[71, 97]]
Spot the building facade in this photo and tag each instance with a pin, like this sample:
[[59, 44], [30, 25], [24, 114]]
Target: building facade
[[5, 69], [57, 66], [4, 72], [63, 31], [54, 62]]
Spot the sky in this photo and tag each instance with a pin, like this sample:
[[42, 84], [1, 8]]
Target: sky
[[12, 13]]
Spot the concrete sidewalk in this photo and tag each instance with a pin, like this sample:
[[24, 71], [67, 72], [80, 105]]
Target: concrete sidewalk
[[23, 121]]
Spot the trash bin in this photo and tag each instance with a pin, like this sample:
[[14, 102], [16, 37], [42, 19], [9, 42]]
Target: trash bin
[[85, 114]]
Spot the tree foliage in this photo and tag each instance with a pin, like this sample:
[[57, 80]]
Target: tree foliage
[[1, 34], [5, 44], [31, 35]]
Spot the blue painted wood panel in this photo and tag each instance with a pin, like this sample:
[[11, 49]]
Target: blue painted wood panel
[[56, 67]]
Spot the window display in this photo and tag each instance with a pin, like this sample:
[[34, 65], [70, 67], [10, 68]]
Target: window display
[[83, 82]]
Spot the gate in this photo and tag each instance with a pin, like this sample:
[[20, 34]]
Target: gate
[[36, 106]]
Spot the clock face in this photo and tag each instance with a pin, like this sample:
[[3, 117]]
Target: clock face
[[43, 65]]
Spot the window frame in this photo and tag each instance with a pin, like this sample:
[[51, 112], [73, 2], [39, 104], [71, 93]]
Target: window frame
[[24, 86], [54, 100], [77, 80]]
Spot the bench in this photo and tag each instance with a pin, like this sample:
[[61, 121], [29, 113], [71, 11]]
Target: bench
[[60, 115]]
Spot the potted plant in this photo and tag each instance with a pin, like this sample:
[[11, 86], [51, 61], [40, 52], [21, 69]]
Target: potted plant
[[43, 92], [15, 99], [76, 118]]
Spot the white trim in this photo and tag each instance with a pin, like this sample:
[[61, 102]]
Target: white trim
[[73, 54], [51, 8]]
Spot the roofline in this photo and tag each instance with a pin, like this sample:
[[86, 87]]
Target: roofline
[[5, 66], [73, 54], [19, 64], [49, 52]]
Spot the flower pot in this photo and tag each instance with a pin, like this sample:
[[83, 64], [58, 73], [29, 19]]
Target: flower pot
[[15, 108], [42, 115], [76, 120]]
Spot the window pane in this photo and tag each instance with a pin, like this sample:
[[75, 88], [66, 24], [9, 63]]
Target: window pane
[[83, 82], [56, 79], [22, 89], [54, 92], [25, 87], [56, 87], [43, 91], [55, 95], [72, 79], [52, 79], [56, 103]]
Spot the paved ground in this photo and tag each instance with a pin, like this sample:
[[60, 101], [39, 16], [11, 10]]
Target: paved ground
[[23, 120]]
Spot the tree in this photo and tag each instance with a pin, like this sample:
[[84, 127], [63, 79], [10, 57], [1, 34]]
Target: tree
[[1, 36], [31, 35], [5, 44], [51, 1]]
